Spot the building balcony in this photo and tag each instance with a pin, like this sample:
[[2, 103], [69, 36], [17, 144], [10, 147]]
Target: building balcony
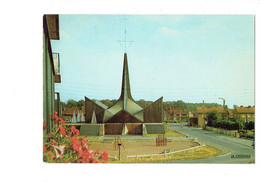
[[56, 63]]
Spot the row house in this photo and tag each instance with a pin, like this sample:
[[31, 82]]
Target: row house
[[175, 114], [203, 111], [245, 113], [68, 113]]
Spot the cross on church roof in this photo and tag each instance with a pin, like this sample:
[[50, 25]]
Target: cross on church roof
[[125, 41]]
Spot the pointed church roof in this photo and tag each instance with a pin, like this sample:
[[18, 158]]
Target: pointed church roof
[[125, 89], [125, 110], [125, 101]]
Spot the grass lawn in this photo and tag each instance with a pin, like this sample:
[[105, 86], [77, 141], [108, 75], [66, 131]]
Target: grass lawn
[[169, 133], [200, 153]]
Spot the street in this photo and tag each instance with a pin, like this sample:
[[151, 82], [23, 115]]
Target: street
[[234, 150]]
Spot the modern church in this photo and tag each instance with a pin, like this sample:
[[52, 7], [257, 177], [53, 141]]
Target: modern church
[[125, 117]]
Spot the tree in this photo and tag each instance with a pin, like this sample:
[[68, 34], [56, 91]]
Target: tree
[[107, 102], [250, 125], [141, 102], [81, 103], [180, 104], [212, 117], [114, 101], [71, 103], [62, 104]]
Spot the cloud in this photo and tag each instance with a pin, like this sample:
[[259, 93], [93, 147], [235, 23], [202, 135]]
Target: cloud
[[169, 32]]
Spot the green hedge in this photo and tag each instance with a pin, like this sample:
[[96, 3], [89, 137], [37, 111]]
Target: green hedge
[[229, 125], [250, 125]]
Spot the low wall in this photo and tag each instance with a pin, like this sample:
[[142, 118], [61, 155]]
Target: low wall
[[91, 129], [233, 133], [155, 128]]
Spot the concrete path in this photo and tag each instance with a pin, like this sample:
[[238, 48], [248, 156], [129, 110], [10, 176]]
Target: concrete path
[[234, 150]]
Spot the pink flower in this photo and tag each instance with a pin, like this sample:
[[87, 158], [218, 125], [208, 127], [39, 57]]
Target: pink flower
[[44, 148], [44, 126], [75, 143], [55, 118], [53, 142], [105, 156], [59, 150], [62, 121], [84, 143], [51, 156], [74, 131], [62, 130]]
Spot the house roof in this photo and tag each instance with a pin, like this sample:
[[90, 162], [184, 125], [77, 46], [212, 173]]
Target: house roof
[[174, 110], [53, 26], [70, 111], [201, 110], [245, 110], [230, 111]]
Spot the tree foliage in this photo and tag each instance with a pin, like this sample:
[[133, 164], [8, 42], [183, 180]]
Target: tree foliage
[[143, 103], [212, 117], [71, 103], [107, 102], [250, 125], [81, 103]]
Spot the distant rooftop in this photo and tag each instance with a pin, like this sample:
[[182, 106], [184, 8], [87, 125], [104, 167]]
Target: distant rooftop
[[246, 110], [201, 110]]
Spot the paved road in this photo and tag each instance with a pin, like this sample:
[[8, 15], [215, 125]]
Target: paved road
[[234, 150]]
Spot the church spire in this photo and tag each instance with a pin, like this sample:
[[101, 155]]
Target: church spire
[[125, 90]]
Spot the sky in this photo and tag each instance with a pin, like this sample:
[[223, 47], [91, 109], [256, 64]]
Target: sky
[[180, 57]]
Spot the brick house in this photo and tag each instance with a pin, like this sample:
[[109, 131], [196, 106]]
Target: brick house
[[175, 114], [67, 113], [245, 113], [230, 113], [203, 111]]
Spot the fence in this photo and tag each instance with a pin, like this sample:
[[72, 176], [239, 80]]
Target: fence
[[164, 154], [233, 133]]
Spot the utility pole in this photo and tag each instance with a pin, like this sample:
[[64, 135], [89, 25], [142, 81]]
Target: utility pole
[[203, 114], [224, 101]]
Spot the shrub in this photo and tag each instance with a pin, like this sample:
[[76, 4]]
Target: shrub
[[250, 125], [251, 135], [212, 117], [229, 125]]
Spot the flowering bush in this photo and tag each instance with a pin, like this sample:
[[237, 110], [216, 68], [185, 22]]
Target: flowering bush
[[66, 146]]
